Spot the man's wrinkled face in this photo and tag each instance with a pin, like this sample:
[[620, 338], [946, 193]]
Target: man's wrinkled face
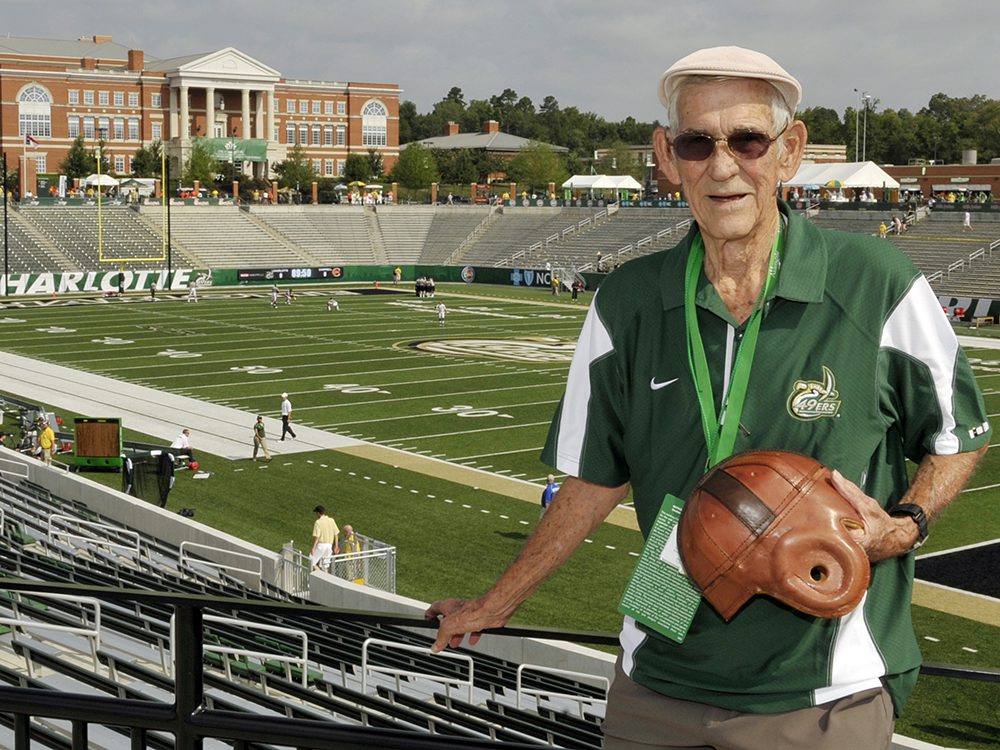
[[730, 196]]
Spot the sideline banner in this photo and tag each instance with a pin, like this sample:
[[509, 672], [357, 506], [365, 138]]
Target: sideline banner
[[107, 282], [26, 284]]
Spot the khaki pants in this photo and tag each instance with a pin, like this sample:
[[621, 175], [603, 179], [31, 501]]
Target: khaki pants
[[642, 719], [258, 443]]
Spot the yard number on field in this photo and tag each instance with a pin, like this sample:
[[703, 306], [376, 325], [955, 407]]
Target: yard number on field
[[463, 410], [256, 370], [177, 354], [353, 388]]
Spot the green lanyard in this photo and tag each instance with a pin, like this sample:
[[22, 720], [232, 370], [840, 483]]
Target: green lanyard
[[720, 431]]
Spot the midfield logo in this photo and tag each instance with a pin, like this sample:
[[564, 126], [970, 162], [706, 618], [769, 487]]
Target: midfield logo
[[811, 399], [530, 349]]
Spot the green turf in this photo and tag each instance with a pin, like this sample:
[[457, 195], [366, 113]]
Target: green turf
[[354, 373]]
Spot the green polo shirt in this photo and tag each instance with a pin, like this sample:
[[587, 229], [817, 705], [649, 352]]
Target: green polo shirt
[[855, 366]]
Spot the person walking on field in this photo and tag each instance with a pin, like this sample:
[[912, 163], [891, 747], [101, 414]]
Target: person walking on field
[[260, 439], [442, 312], [286, 417]]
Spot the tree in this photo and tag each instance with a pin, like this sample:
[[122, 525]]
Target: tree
[[295, 171], [457, 165], [536, 165], [408, 122], [356, 167], [824, 125], [201, 165], [79, 160], [374, 163], [147, 161], [415, 167]]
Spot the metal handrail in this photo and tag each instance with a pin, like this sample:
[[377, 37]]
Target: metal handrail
[[69, 536], [579, 699], [190, 720], [185, 557], [397, 672], [226, 651]]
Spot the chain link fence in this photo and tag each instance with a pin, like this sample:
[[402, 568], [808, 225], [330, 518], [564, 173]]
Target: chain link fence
[[366, 561]]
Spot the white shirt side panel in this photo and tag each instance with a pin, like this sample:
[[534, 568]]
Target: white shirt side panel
[[630, 638], [594, 343], [918, 329], [855, 661]]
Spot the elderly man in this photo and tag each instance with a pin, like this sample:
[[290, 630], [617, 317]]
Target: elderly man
[[757, 331]]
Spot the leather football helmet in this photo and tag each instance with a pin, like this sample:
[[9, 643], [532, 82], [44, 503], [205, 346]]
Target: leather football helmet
[[771, 522]]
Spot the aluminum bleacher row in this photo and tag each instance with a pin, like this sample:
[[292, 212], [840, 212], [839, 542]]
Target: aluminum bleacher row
[[66, 238], [935, 244], [295, 662]]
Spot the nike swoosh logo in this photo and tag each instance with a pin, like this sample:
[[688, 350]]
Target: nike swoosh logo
[[657, 386]]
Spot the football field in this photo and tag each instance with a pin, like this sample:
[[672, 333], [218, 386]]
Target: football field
[[478, 392]]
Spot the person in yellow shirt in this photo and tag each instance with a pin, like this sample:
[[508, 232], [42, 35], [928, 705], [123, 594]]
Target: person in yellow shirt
[[325, 535], [353, 570], [47, 442]]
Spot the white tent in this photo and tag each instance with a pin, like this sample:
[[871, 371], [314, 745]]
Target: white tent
[[601, 182], [858, 174], [104, 180]]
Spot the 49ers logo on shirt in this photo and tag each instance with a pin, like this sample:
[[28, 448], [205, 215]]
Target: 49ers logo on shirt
[[813, 399]]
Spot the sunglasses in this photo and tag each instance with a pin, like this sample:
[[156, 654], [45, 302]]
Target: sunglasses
[[743, 144]]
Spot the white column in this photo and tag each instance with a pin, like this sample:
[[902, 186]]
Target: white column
[[174, 133], [270, 115], [258, 123], [210, 111], [245, 113], [185, 125]]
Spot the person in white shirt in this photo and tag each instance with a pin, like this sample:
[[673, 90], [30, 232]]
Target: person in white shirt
[[286, 417], [182, 443], [442, 311]]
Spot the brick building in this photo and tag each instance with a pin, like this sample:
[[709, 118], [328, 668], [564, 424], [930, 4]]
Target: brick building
[[51, 91]]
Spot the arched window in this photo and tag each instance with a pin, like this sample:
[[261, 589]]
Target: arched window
[[373, 124], [34, 107]]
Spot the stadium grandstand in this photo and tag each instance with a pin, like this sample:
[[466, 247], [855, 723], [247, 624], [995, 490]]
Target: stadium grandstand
[[47, 238]]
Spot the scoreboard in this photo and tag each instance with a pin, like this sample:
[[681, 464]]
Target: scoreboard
[[244, 275]]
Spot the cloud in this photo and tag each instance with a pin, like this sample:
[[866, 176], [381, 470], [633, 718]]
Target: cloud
[[595, 55]]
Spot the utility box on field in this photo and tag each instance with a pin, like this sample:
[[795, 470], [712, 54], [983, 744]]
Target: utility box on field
[[98, 442]]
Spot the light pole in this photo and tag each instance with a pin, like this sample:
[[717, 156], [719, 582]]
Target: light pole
[[864, 138], [856, 124], [864, 103]]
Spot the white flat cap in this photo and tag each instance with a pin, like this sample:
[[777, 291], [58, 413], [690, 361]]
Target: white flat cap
[[284, 395], [733, 62]]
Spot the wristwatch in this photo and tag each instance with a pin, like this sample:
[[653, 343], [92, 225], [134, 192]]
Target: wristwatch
[[915, 512]]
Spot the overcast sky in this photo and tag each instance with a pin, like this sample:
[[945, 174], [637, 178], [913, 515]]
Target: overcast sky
[[600, 56]]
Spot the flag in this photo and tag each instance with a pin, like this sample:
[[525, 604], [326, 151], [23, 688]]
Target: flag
[[29, 141]]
